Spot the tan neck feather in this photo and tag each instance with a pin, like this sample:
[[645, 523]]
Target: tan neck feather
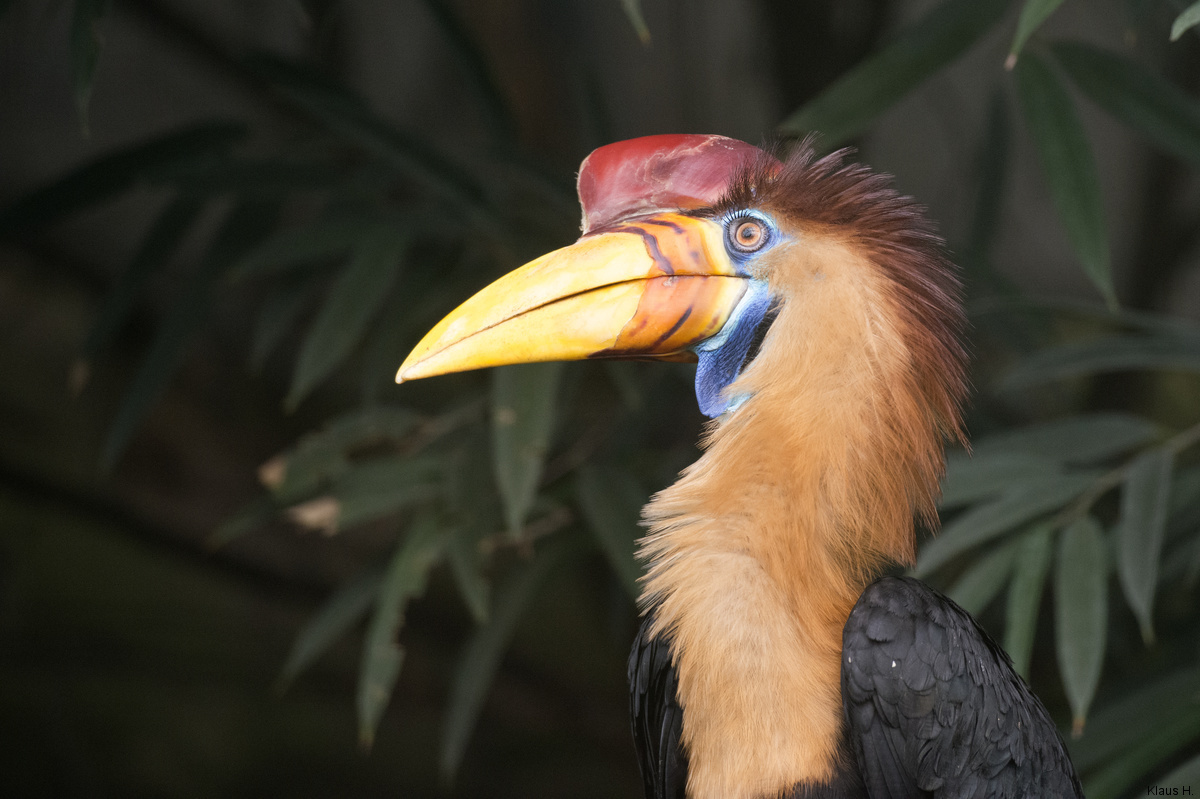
[[757, 555]]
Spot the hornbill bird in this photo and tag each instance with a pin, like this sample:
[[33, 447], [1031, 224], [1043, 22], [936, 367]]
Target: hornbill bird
[[825, 321]]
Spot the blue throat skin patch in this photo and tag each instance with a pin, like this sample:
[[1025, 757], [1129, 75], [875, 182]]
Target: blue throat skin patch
[[722, 357]]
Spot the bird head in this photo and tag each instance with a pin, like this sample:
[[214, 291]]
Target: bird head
[[693, 246]]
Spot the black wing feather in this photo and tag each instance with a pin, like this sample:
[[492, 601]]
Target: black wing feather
[[935, 709], [656, 716]]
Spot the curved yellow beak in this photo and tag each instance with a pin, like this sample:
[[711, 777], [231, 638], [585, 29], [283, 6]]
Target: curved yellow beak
[[650, 288]]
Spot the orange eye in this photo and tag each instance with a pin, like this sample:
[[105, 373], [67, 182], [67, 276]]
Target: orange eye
[[748, 235]]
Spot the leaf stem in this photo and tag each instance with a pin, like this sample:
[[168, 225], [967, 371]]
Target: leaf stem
[[1111, 479]]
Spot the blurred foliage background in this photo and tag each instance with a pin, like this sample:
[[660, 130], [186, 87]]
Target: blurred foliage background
[[236, 560]]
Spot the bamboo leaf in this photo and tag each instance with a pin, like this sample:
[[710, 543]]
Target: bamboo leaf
[[1116, 728], [1081, 613], [993, 159], [469, 495], [392, 333], [246, 520], [483, 652], [324, 455], [1033, 14], [466, 563], [612, 503], [1083, 439], [1068, 165], [85, 51], [243, 226], [1148, 103], [371, 490], [1129, 768], [1143, 521], [282, 307], [113, 174], [523, 405], [978, 586], [1189, 773], [633, 12], [1109, 354], [305, 245], [854, 101], [475, 63], [262, 176], [1025, 595], [1188, 18], [1020, 504], [349, 307], [156, 250], [1142, 321], [335, 618], [346, 114], [969, 479], [404, 579]]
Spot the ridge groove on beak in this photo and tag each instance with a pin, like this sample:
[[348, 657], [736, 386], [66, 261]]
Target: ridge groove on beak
[[650, 288]]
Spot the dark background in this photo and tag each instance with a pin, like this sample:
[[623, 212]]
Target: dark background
[[137, 657]]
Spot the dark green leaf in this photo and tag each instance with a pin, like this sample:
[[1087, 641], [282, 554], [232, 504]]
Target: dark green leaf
[[348, 309], [979, 585], [1088, 438], [612, 504], [1187, 775], [268, 176], [473, 60], [1130, 768], [1081, 613], [970, 478], [1189, 18], [347, 115], [1068, 165], [523, 409], [324, 455], [481, 657], [1116, 728], [1025, 595], [404, 579], [119, 171], [243, 226], [392, 335], [1144, 504], [1109, 354], [475, 511], [279, 313], [993, 160], [247, 519], [633, 10], [466, 563], [1142, 321], [305, 245], [335, 618], [1148, 103], [1033, 14], [854, 101], [380, 487], [157, 248], [1020, 504], [85, 50]]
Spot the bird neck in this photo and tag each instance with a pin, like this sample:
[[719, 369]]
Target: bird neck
[[758, 553]]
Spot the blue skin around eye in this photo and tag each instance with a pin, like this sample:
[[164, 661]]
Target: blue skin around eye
[[722, 357]]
